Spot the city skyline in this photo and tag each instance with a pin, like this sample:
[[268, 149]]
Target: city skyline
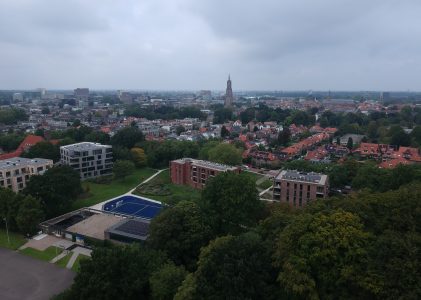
[[187, 45]]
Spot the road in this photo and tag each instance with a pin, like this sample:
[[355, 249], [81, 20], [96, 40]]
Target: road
[[23, 277]]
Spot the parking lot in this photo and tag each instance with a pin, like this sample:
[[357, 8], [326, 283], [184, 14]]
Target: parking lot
[[22, 277]]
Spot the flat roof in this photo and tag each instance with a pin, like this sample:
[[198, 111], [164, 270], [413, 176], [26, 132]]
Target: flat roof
[[85, 146], [95, 225], [309, 177], [131, 228], [206, 164], [23, 162]]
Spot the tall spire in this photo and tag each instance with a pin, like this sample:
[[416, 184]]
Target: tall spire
[[229, 97]]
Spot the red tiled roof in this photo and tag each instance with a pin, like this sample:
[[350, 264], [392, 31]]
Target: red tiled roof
[[28, 142]]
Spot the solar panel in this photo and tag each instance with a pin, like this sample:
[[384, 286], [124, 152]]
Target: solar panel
[[134, 227]]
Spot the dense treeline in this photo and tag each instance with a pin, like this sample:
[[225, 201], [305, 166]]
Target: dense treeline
[[11, 116], [231, 246], [163, 112], [45, 196]]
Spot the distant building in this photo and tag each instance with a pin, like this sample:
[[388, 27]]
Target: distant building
[[17, 97], [89, 159], [81, 92], [299, 188], [195, 173], [16, 172], [229, 97], [356, 139], [125, 97]]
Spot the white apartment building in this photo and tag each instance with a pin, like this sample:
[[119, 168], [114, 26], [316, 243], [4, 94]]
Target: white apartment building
[[89, 159]]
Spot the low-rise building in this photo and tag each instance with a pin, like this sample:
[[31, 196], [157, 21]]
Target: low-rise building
[[16, 172], [195, 173], [299, 188], [89, 159]]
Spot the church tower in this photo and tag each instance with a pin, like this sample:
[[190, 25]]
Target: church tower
[[229, 97]]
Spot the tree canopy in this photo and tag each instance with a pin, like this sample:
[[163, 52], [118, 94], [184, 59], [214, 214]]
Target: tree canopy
[[230, 202], [56, 189]]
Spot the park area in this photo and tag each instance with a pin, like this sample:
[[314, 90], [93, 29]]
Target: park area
[[96, 192], [161, 189]]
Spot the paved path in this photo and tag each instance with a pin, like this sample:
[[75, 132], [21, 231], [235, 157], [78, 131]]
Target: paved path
[[99, 205], [76, 252], [147, 180], [25, 278], [58, 257], [267, 190], [72, 260]]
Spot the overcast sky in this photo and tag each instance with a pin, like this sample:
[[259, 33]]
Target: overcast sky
[[194, 44]]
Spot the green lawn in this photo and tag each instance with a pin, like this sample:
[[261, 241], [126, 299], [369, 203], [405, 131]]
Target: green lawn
[[76, 265], [160, 188], [253, 175], [265, 184], [16, 240], [63, 262], [46, 255], [101, 192]]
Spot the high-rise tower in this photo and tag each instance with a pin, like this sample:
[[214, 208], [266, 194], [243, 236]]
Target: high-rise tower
[[229, 97]]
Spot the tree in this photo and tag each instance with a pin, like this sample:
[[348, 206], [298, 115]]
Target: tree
[[400, 138], [29, 215], [180, 129], [232, 267], [224, 132], [45, 110], [165, 281], [43, 150], [116, 273], [225, 154], [9, 206], [180, 231], [323, 256], [138, 156], [230, 203], [284, 136], [350, 143], [127, 137], [56, 189], [98, 137], [123, 168], [221, 115]]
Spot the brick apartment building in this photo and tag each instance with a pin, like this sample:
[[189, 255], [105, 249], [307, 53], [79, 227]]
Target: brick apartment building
[[195, 173], [299, 188], [16, 172]]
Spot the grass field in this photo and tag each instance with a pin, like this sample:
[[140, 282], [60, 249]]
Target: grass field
[[76, 265], [101, 192], [265, 184], [46, 255], [63, 262], [160, 188], [253, 175], [16, 240]]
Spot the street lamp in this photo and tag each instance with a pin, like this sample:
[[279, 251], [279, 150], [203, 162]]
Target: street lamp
[[7, 231]]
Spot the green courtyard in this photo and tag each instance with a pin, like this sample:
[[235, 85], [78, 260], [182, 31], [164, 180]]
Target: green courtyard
[[16, 240], [98, 192], [161, 189], [46, 255]]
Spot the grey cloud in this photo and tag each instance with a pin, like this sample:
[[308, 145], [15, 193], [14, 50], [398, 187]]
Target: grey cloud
[[190, 44]]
